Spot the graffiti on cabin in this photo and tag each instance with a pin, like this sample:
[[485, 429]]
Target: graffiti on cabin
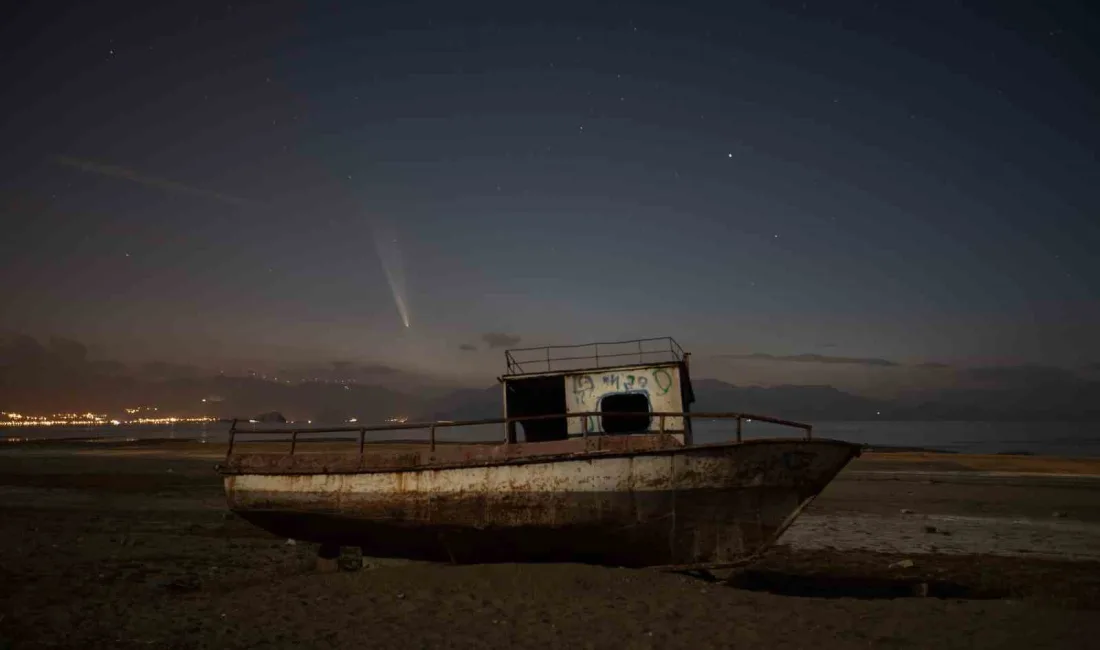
[[663, 379], [627, 383], [657, 381], [583, 388], [584, 392]]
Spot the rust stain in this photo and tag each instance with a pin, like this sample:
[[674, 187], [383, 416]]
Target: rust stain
[[702, 506], [796, 461]]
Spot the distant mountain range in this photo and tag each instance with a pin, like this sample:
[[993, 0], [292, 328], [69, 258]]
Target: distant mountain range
[[58, 377], [335, 402]]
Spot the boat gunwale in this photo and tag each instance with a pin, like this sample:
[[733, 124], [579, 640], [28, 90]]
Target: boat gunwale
[[595, 454]]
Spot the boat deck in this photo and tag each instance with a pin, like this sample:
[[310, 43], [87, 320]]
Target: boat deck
[[425, 455]]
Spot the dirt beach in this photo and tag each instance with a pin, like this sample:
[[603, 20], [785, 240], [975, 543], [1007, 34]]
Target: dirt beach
[[106, 546]]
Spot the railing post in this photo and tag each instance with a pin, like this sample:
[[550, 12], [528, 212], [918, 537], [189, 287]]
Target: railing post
[[597, 346], [662, 423], [584, 425], [810, 432], [293, 441], [547, 358], [432, 434], [362, 440], [641, 358], [232, 437], [738, 428]]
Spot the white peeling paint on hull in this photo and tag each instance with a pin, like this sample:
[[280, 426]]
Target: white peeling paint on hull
[[699, 505]]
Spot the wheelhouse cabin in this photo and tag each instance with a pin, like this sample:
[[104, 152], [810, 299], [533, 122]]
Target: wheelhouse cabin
[[598, 389]]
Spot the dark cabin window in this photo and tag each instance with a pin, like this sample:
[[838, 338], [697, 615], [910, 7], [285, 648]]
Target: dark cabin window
[[538, 396], [631, 413]]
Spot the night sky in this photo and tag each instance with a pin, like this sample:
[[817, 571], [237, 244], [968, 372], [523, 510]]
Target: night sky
[[879, 187]]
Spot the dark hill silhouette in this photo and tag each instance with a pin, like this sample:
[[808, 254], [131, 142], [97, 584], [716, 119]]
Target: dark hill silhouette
[[1077, 401], [794, 402], [59, 377], [807, 402]]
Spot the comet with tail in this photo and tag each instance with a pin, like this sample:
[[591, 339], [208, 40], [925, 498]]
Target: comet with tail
[[389, 254]]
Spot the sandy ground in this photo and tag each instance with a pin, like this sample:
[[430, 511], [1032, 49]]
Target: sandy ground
[[101, 547]]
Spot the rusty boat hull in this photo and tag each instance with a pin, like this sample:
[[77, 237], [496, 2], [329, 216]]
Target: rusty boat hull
[[669, 505]]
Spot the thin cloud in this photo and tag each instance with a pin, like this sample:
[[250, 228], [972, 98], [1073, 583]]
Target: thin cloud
[[1025, 375], [468, 347], [933, 365], [813, 358], [499, 340], [115, 171]]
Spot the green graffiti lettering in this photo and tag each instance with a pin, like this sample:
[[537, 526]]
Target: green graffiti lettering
[[582, 387], [662, 379]]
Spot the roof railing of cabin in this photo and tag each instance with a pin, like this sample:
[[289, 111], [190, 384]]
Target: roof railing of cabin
[[548, 358]]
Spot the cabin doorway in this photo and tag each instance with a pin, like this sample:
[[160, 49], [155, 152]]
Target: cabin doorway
[[538, 396], [624, 413]]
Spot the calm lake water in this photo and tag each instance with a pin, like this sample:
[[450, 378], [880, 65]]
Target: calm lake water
[[1047, 438]]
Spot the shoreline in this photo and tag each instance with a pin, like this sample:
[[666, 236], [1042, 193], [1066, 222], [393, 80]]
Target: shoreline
[[874, 458], [1060, 439]]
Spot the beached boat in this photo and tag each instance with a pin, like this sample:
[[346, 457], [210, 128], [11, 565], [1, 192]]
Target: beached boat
[[605, 472]]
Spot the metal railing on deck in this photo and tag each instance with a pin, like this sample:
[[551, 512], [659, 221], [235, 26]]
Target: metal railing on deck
[[509, 438], [653, 350]]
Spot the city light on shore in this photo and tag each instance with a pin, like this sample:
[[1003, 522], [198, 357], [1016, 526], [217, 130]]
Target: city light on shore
[[93, 419]]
